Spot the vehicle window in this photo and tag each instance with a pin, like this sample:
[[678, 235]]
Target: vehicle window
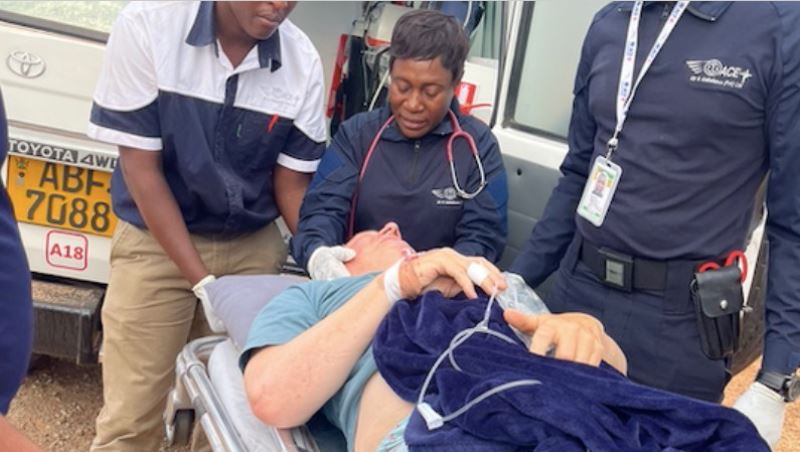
[[542, 78], [485, 39], [90, 15]]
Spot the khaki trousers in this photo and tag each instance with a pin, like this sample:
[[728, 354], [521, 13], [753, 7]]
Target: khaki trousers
[[148, 316]]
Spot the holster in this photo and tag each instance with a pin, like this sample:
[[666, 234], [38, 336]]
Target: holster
[[718, 298]]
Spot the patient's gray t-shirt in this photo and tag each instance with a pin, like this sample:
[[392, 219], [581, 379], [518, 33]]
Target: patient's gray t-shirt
[[298, 309]]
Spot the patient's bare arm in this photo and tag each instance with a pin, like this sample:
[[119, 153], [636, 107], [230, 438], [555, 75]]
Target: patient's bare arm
[[286, 384], [576, 337]]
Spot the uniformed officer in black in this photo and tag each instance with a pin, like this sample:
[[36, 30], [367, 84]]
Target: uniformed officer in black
[[716, 112]]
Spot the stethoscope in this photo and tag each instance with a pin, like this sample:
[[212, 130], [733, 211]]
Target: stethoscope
[[458, 132]]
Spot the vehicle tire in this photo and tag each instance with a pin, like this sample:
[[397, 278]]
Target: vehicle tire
[[182, 425], [751, 335]]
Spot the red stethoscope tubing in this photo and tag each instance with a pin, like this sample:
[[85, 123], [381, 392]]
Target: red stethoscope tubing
[[458, 132]]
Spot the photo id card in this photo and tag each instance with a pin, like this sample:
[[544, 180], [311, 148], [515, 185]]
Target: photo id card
[[599, 190]]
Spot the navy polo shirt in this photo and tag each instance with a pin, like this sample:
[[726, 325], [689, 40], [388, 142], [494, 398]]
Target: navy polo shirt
[[719, 107], [407, 181], [16, 312], [166, 86]]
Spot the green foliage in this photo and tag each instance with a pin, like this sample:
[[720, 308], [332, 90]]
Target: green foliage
[[95, 15]]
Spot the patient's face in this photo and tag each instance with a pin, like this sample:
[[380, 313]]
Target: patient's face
[[377, 250]]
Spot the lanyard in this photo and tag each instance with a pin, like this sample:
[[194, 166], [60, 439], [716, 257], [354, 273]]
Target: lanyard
[[627, 89]]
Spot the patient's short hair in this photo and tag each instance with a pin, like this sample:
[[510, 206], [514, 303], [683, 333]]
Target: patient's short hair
[[426, 34]]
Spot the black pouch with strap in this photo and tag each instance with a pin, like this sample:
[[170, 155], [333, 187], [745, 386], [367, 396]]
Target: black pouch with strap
[[718, 299]]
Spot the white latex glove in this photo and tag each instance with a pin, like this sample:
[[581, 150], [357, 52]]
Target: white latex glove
[[201, 293], [765, 408], [327, 262]]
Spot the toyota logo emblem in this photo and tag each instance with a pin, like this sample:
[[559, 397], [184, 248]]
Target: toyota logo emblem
[[25, 64]]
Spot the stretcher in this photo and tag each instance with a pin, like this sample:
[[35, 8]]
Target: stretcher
[[209, 394], [209, 388], [220, 407]]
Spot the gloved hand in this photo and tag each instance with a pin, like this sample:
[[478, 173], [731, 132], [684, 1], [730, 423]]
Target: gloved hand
[[327, 262], [765, 408], [201, 292]]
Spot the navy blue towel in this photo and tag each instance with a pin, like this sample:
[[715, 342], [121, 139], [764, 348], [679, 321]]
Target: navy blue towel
[[576, 407]]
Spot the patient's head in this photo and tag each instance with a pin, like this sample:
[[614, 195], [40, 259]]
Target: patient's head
[[377, 250]]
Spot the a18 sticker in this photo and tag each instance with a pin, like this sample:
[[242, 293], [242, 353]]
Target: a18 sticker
[[67, 250]]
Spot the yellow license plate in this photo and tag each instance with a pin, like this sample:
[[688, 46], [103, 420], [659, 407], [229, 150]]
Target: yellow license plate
[[61, 196]]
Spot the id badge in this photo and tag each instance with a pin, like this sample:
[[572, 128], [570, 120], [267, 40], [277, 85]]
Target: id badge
[[599, 190]]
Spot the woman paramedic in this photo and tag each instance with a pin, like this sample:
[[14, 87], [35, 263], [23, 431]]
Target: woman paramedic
[[418, 161]]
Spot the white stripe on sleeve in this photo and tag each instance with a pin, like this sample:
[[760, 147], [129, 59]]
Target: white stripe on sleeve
[[119, 138], [302, 166]]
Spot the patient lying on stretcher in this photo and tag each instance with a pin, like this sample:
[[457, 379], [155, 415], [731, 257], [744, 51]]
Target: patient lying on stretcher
[[311, 348]]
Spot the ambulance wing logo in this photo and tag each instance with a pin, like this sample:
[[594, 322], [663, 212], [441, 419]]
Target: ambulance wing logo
[[448, 193], [446, 197], [715, 72], [696, 66]]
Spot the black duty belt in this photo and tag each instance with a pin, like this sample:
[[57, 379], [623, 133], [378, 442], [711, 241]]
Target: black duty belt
[[628, 273]]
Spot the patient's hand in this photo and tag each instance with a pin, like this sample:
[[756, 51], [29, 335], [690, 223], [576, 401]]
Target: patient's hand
[[574, 336], [446, 270]]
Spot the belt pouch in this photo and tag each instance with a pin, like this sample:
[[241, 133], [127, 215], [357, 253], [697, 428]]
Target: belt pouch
[[718, 298]]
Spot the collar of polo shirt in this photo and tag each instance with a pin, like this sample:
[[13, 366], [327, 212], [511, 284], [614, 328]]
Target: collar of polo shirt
[[710, 11], [203, 33]]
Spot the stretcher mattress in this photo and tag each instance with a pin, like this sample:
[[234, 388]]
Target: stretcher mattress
[[223, 370], [225, 376]]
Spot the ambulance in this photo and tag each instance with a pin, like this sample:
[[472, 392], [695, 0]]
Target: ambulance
[[518, 80]]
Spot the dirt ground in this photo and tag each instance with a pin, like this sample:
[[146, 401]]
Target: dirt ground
[[59, 401], [57, 405]]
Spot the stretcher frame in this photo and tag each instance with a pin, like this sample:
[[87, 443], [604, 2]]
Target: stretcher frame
[[194, 397]]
